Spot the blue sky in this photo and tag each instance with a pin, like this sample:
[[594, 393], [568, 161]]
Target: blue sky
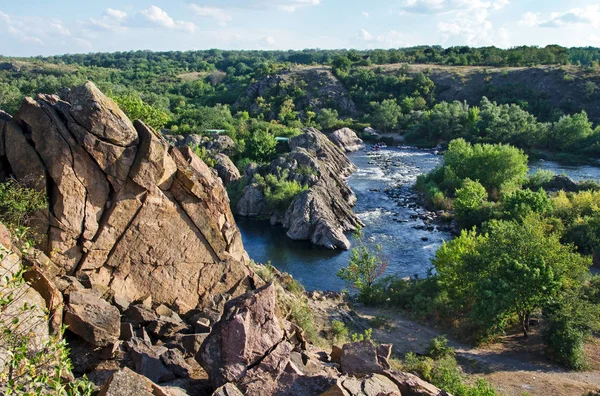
[[46, 27]]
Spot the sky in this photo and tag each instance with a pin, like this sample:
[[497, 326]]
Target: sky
[[52, 27]]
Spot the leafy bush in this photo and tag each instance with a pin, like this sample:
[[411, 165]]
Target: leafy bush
[[339, 330], [135, 108], [204, 155], [439, 348], [521, 203], [470, 197], [366, 266], [279, 191], [18, 202]]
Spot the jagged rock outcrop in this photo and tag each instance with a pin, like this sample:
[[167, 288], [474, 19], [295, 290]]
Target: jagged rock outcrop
[[226, 169], [127, 212], [253, 351], [322, 213], [347, 140]]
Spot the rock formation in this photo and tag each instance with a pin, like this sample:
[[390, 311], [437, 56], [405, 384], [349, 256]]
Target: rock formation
[[252, 351], [323, 213], [347, 140], [126, 210], [143, 261]]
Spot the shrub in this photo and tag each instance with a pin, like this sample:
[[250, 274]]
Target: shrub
[[339, 330], [521, 203], [279, 191], [540, 178], [366, 266], [135, 108], [18, 202], [439, 348], [204, 155], [470, 197]]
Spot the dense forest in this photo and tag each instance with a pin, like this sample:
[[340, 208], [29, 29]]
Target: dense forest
[[258, 95]]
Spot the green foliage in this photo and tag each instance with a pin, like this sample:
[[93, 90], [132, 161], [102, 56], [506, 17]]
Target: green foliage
[[364, 336], [18, 202], [570, 320], [446, 375], [470, 197], [495, 166], [386, 115], [302, 316], [339, 330], [438, 348], [540, 178], [521, 203], [279, 191], [571, 132], [507, 274], [136, 109], [366, 266], [328, 119], [261, 147], [204, 155]]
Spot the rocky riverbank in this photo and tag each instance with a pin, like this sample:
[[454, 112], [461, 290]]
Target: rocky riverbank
[[322, 213], [404, 174], [140, 257]]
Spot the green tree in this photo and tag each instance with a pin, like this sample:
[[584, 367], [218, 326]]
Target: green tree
[[470, 197], [386, 114], [261, 146], [367, 265], [328, 119], [136, 109]]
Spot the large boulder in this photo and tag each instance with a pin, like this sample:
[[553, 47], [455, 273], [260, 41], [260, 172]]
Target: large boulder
[[92, 318], [243, 338], [322, 213], [226, 169], [127, 212], [360, 358], [347, 140], [126, 383]]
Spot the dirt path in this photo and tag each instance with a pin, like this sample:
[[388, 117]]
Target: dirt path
[[514, 367]]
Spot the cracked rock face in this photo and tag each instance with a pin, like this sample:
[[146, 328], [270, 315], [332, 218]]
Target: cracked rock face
[[323, 213], [347, 140], [126, 210]]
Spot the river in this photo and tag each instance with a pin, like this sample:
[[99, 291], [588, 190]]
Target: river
[[386, 223], [407, 242]]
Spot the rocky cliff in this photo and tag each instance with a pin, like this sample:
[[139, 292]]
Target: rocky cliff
[[322, 213], [126, 211], [143, 262]]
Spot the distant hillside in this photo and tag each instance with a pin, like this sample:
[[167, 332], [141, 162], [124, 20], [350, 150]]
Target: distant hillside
[[542, 90]]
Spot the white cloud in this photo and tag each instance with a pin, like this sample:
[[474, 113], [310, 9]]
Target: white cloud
[[219, 14], [589, 15], [468, 22], [159, 17], [111, 19], [390, 39], [269, 40], [437, 7], [366, 14], [116, 14], [294, 5], [38, 32], [530, 19]]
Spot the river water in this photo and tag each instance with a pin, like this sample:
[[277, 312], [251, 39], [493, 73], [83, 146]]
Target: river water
[[386, 223], [407, 241]]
